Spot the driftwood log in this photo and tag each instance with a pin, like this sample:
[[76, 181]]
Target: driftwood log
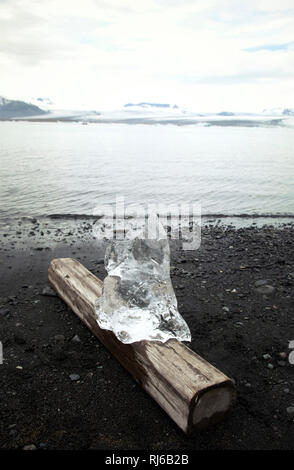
[[191, 391]]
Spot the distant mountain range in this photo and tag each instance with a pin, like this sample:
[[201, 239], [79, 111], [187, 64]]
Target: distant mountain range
[[267, 112], [145, 104], [288, 112], [225, 113], [278, 112], [13, 109], [45, 109]]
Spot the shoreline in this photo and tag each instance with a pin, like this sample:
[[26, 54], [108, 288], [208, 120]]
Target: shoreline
[[48, 232], [201, 121], [234, 324]]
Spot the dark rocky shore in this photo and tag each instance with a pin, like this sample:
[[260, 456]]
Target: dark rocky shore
[[60, 388]]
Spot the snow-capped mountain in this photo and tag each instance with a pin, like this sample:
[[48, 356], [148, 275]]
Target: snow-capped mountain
[[10, 109], [145, 104], [278, 112], [44, 103], [145, 107]]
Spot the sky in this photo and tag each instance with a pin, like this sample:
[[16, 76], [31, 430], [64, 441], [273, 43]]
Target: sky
[[205, 55]]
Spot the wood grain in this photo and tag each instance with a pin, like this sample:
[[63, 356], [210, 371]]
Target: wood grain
[[192, 392]]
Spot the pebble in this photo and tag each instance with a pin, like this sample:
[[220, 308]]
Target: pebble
[[266, 356], [30, 447], [270, 366], [290, 410], [281, 363], [48, 291], [4, 311], [226, 309], [74, 377], [76, 339], [261, 282], [59, 338], [265, 289]]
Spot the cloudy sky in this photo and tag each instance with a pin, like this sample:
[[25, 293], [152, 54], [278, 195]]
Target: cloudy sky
[[207, 55]]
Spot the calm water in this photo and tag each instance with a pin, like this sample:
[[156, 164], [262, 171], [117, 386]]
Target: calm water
[[62, 168]]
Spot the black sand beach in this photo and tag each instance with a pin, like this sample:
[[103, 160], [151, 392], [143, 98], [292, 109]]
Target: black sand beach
[[60, 388]]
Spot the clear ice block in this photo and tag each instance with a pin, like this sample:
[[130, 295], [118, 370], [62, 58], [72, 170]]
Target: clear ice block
[[138, 301]]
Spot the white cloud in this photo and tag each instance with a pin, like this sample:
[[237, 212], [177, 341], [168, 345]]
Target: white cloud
[[102, 53]]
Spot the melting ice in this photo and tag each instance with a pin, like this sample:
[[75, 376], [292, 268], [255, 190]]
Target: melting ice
[[138, 301]]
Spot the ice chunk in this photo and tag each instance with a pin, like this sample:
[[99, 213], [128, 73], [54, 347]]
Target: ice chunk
[[138, 301]]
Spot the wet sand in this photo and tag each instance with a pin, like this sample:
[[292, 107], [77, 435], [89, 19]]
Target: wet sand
[[60, 388]]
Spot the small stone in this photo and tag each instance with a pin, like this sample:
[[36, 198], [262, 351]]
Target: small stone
[[59, 338], [261, 282], [266, 356], [281, 363], [283, 355], [47, 291], [30, 447], [290, 411], [76, 339], [270, 366], [226, 309], [74, 377], [4, 312], [265, 289]]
